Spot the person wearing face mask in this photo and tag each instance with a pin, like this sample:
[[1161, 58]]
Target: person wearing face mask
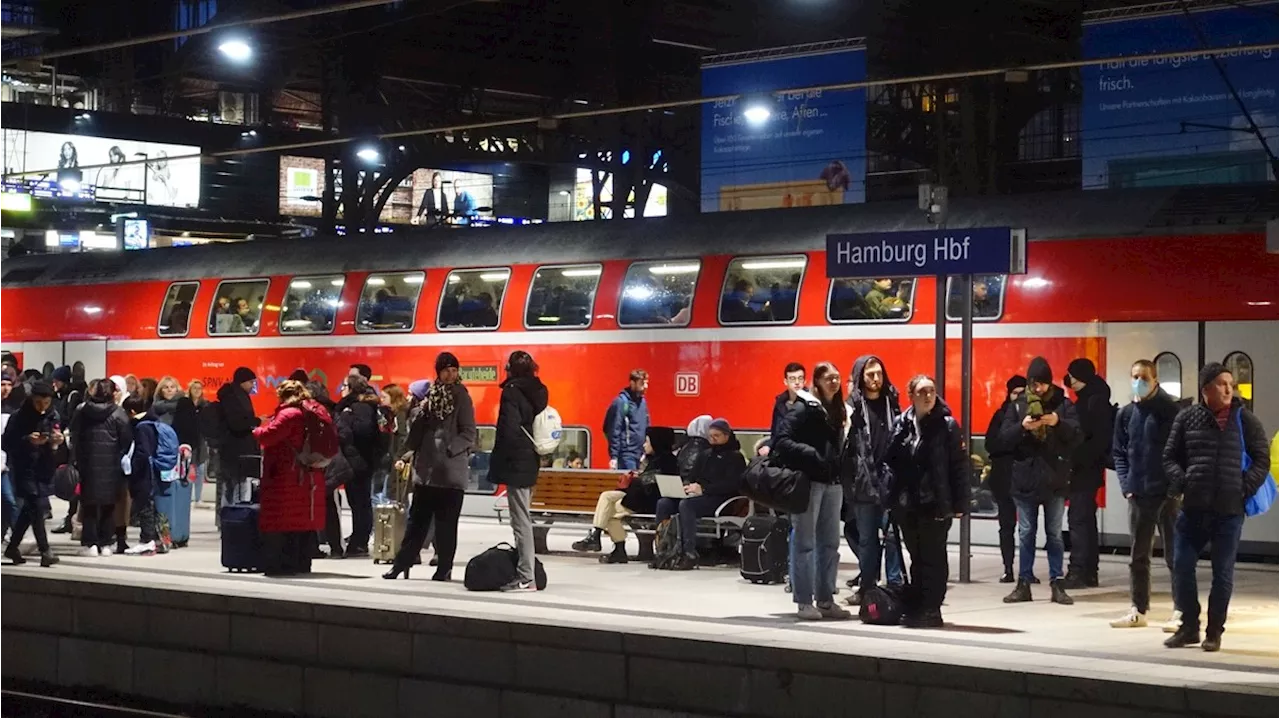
[[930, 488], [1205, 462], [1001, 475], [1089, 461], [1142, 429]]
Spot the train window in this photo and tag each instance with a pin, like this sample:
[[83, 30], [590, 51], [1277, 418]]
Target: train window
[[175, 313], [473, 298], [574, 451], [1169, 373], [478, 481], [988, 298], [982, 500], [889, 299], [310, 304], [389, 302], [748, 440], [761, 290], [1241, 368], [237, 307], [658, 293], [562, 296]]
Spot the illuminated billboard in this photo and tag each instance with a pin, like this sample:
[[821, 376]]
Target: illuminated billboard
[[164, 181], [423, 197], [584, 209]]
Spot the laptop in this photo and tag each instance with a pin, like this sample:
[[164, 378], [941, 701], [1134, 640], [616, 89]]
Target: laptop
[[671, 487]]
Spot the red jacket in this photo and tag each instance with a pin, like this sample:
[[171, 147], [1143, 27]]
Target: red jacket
[[292, 496]]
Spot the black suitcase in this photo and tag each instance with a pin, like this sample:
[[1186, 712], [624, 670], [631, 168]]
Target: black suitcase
[[241, 541], [764, 549]]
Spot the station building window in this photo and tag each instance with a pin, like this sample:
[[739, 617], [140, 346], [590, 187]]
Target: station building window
[[889, 299], [473, 298], [237, 307], [658, 294], [562, 296], [175, 312], [1169, 373], [988, 298], [1241, 368], [389, 302], [310, 304], [762, 290]]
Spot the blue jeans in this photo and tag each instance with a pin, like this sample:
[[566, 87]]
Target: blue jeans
[[10, 503], [197, 488], [629, 462], [689, 511], [871, 520], [1192, 532], [1028, 518], [817, 545]]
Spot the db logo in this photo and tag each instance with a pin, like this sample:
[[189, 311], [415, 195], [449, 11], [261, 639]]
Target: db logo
[[687, 384]]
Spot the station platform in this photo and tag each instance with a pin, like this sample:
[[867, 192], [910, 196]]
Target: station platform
[[609, 641]]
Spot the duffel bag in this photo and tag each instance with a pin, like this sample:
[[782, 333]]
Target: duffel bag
[[495, 567], [777, 487], [66, 480], [880, 607]]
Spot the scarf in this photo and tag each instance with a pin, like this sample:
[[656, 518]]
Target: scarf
[[439, 400]]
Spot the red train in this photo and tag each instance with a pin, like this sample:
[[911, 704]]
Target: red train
[[713, 306]]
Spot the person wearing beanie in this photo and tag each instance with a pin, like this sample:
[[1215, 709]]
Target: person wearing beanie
[[1089, 462], [34, 446], [716, 479], [1040, 429], [626, 422], [300, 376], [1000, 480], [1205, 462], [237, 422]]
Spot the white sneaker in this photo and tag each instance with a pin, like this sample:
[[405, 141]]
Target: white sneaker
[[105, 551], [833, 611], [142, 549], [88, 552], [1174, 623], [1132, 619], [809, 612]]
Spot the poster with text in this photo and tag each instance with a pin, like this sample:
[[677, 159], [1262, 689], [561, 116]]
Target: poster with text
[[810, 149], [1176, 121]]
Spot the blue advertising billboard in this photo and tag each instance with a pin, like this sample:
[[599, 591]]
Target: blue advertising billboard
[[1174, 121], [810, 150]]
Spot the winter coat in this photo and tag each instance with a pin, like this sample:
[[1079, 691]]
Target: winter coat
[[103, 436], [1142, 430], [364, 444], [186, 424], [865, 474], [690, 457], [1089, 458], [514, 462], [929, 462], [1203, 462], [401, 422], [1001, 453], [65, 402], [440, 449], [720, 471], [1041, 467], [143, 476], [30, 466], [165, 411], [292, 495], [780, 406], [807, 443], [628, 421], [238, 423]]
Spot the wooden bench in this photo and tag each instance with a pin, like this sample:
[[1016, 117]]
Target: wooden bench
[[569, 496]]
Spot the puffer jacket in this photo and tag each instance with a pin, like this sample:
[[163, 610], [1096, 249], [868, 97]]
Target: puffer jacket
[[928, 462], [364, 444], [865, 474], [103, 436], [1142, 430], [807, 443], [690, 458], [1000, 480], [720, 472], [514, 462], [440, 449], [1041, 467], [1204, 462]]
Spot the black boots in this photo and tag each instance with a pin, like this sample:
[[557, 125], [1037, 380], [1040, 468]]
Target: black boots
[[1076, 581], [688, 562], [925, 619], [1021, 593], [617, 555], [1007, 576], [1060, 593], [590, 543], [1189, 637], [1212, 642]]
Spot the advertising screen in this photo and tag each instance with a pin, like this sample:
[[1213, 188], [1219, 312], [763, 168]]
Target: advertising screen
[[584, 209], [809, 150], [1175, 121], [165, 182], [423, 197]]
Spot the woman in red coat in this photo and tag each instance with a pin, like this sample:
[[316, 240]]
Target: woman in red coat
[[292, 496]]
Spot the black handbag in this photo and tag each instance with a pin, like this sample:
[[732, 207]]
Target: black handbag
[[337, 473], [768, 483], [886, 606], [65, 480]]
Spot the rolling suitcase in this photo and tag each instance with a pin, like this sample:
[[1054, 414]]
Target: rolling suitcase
[[764, 549], [173, 501], [389, 519], [241, 541]]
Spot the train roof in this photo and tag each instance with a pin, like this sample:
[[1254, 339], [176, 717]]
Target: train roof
[[1061, 215]]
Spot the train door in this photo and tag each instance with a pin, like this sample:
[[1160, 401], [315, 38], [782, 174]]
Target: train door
[[44, 357], [88, 359]]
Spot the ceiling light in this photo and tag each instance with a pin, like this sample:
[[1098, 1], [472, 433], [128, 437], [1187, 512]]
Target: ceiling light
[[673, 269], [368, 154], [584, 272], [336, 282], [236, 50], [774, 264], [376, 281], [412, 279], [300, 284], [495, 276]]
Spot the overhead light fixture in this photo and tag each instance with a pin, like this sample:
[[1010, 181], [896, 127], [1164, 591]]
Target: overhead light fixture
[[376, 281], [564, 193], [336, 282], [757, 115], [583, 272], [368, 154], [774, 264], [412, 279], [673, 269], [236, 50], [69, 180], [402, 148], [495, 276], [300, 284]]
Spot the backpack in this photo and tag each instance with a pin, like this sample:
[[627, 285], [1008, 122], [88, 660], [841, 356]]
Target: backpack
[[547, 431], [666, 545], [319, 440], [165, 459]]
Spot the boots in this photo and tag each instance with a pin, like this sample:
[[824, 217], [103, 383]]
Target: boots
[[48, 559], [590, 543], [62, 528], [1060, 593], [1185, 637], [618, 555], [121, 544], [1021, 593]]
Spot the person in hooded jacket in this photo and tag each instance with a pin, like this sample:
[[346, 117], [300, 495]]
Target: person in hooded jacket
[[67, 397], [364, 445], [627, 423], [237, 442], [715, 477], [514, 462], [1042, 429], [930, 488], [1001, 476], [1089, 462], [33, 443], [143, 479], [810, 441], [442, 435], [103, 437], [864, 473], [292, 494]]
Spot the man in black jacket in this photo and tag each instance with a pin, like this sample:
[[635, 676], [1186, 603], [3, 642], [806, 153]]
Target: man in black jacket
[[793, 377], [1142, 429], [1001, 477], [237, 422], [1088, 465], [1205, 460], [365, 446], [1042, 429]]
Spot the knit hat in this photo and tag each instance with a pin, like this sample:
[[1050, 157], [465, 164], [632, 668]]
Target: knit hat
[[243, 374], [1016, 381], [1082, 369], [1039, 371], [1211, 371], [8, 375], [40, 389], [446, 360], [721, 425], [418, 389], [299, 375], [62, 374]]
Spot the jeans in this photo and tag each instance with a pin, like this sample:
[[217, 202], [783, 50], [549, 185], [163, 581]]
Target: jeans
[[1082, 521], [629, 462], [435, 508], [31, 515], [360, 496], [1028, 518], [518, 500], [870, 520], [1192, 532], [926, 540], [689, 511], [10, 503], [197, 489], [1146, 514], [817, 545]]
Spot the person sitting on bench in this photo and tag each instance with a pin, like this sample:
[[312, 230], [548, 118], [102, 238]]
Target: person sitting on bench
[[637, 493], [716, 478]]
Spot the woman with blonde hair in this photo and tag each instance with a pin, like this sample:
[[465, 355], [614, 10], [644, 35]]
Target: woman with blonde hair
[[187, 423], [288, 516], [164, 405]]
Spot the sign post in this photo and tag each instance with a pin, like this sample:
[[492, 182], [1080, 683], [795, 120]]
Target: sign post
[[940, 253]]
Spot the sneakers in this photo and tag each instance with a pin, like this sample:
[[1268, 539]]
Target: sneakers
[[88, 552], [1212, 642], [1133, 619], [832, 611], [518, 585], [1183, 637], [1060, 593], [105, 551], [142, 549], [1020, 594], [809, 612], [855, 599], [1174, 623], [62, 528]]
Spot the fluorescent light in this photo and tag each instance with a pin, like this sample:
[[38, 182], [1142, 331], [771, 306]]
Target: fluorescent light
[[236, 50], [296, 323], [300, 284], [377, 281], [336, 282], [774, 264], [368, 154], [640, 292], [673, 269], [757, 115], [548, 319], [584, 272], [51, 238], [412, 279], [495, 276]]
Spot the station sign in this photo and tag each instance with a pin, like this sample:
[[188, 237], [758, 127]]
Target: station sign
[[486, 374], [937, 252]]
